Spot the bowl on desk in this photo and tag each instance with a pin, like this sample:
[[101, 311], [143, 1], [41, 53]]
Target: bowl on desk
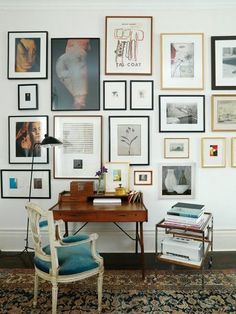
[[180, 188]]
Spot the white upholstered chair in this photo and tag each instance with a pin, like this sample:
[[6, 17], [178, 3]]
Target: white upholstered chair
[[65, 259]]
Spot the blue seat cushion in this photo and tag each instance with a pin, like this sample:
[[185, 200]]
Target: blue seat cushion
[[72, 260]]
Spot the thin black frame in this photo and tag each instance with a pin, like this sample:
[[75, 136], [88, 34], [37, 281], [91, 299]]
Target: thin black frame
[[147, 140], [11, 137], [125, 94], [186, 130], [35, 100], [28, 177], [131, 95], [214, 85], [11, 73], [91, 58]]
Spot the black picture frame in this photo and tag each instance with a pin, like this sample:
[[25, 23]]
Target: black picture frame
[[66, 93], [223, 62], [181, 113], [23, 133], [15, 183], [30, 65], [27, 96], [129, 139], [141, 95], [115, 95]]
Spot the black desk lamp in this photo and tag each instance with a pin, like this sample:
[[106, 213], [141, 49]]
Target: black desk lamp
[[47, 142]]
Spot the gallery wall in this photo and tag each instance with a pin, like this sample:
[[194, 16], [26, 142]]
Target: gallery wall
[[214, 187]]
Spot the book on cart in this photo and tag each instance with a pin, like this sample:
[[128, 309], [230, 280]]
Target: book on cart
[[186, 210], [184, 220]]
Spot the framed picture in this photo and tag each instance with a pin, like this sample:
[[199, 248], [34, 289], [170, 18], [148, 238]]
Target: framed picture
[[181, 113], [75, 70], [223, 62], [117, 176], [129, 139], [177, 180], [128, 45], [213, 152], [25, 132], [27, 55], [142, 177], [27, 96], [141, 95], [182, 61], [176, 148], [16, 183], [114, 95], [223, 112], [233, 152], [81, 153]]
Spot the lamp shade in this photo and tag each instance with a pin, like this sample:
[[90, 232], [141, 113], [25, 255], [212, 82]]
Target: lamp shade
[[50, 141]]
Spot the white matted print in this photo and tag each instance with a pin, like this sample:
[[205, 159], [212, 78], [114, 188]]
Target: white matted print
[[114, 95], [177, 180], [213, 152], [118, 175], [142, 177], [27, 96], [223, 112], [129, 139], [141, 95], [128, 45], [233, 152], [182, 61], [81, 153], [176, 148], [181, 113]]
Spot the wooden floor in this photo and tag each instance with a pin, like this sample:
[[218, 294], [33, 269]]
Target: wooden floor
[[221, 260]]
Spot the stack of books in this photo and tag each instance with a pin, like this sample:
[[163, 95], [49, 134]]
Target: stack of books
[[186, 214]]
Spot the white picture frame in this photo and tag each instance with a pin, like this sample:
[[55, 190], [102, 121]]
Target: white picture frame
[[118, 175]]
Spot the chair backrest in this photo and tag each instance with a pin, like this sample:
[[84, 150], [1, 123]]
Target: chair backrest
[[39, 221]]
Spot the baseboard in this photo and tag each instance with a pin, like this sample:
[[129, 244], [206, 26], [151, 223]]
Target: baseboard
[[116, 241]]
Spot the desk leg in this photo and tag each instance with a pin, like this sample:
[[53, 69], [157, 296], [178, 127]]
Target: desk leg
[[66, 229], [136, 239], [142, 249]]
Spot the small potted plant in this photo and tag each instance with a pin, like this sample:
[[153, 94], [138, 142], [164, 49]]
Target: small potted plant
[[100, 186]]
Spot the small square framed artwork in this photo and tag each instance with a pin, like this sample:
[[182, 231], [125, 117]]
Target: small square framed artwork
[[177, 180], [213, 154], [141, 95], [27, 55], [223, 112], [176, 148], [27, 96], [118, 174], [142, 177], [114, 95]]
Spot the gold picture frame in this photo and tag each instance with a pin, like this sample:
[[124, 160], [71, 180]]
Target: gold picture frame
[[223, 112], [213, 152]]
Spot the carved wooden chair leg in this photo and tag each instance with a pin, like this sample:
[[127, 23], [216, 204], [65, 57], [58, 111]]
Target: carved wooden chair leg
[[100, 283], [54, 297]]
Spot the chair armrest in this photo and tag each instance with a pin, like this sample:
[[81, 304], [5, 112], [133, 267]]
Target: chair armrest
[[91, 238]]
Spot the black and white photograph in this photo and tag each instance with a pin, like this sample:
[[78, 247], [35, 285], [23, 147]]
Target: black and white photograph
[[142, 177], [223, 112], [27, 96], [223, 62], [181, 113], [177, 180], [129, 139]]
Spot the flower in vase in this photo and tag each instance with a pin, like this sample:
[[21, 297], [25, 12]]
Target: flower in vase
[[100, 173]]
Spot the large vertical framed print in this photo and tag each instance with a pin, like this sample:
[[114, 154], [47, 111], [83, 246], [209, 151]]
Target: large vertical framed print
[[75, 70], [182, 61], [27, 55], [81, 153], [128, 45], [25, 135], [223, 62], [129, 139]]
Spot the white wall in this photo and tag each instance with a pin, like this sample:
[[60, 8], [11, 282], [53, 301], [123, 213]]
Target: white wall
[[214, 187]]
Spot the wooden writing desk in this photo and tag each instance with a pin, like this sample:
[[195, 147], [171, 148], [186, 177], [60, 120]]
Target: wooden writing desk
[[85, 211]]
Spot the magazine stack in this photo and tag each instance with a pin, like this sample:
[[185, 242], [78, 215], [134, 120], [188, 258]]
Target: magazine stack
[[186, 214]]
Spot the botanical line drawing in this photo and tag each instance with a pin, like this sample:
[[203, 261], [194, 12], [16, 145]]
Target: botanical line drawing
[[129, 138]]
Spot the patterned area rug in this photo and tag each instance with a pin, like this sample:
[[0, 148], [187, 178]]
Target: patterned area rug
[[124, 292]]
